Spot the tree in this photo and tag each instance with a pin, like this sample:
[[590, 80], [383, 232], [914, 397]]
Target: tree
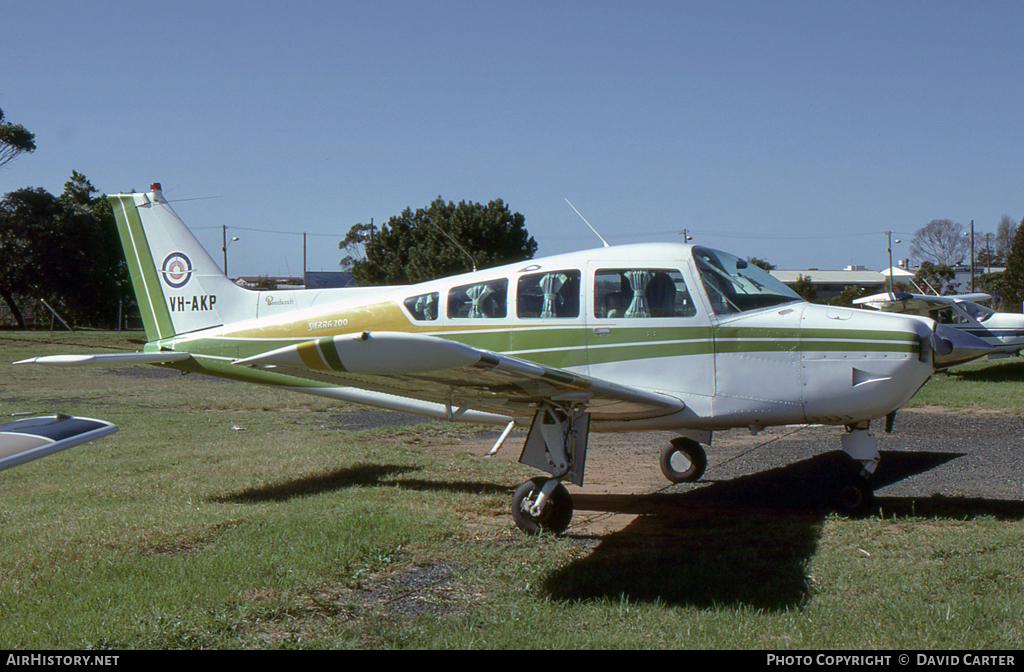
[[437, 241], [940, 277], [63, 250], [987, 258], [805, 288], [992, 284], [847, 296], [1013, 276], [762, 264], [941, 241], [1005, 231], [14, 140]]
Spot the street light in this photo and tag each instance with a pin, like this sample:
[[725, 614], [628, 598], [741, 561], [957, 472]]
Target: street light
[[888, 235], [224, 246], [972, 254]]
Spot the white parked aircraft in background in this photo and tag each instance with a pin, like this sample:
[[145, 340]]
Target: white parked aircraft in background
[[636, 337], [1003, 331], [32, 438]]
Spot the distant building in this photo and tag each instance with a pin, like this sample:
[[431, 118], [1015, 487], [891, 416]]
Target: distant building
[[262, 281], [829, 284], [904, 272], [329, 279], [310, 280]]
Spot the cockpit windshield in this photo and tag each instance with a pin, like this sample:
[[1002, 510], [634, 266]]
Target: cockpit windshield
[[734, 285], [980, 313]]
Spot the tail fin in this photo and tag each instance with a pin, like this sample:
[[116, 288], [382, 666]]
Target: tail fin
[[179, 287]]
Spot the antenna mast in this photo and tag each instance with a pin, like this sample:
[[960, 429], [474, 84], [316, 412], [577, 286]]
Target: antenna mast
[[456, 244], [588, 224]]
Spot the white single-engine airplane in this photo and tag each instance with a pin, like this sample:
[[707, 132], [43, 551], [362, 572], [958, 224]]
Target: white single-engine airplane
[[636, 337], [1003, 331]]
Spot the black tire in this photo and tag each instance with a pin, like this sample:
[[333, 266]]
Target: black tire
[[853, 495], [557, 509], [683, 460]]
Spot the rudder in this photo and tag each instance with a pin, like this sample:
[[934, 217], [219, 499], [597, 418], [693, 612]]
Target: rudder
[[178, 286]]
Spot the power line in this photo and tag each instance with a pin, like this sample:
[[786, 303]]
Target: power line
[[286, 233]]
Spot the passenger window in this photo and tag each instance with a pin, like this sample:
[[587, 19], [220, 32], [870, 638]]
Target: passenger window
[[549, 295], [423, 307], [479, 301], [637, 293]]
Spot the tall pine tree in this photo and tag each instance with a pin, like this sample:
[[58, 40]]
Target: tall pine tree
[[1013, 276]]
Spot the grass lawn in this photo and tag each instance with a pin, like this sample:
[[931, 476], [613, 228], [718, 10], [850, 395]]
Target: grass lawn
[[232, 516]]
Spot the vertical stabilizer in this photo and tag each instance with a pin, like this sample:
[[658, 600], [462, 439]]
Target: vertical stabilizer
[[179, 287]]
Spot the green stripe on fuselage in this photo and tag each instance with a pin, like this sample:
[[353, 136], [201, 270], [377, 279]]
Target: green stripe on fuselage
[[567, 347]]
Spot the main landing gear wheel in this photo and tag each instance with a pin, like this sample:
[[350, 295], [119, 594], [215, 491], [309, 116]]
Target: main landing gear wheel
[[683, 460], [854, 495], [556, 511]]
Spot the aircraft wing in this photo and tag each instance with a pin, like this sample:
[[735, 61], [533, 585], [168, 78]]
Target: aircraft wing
[[917, 304], [31, 438], [457, 375]]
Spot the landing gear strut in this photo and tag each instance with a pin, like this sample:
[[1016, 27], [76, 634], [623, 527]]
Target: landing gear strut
[[557, 444], [853, 492]]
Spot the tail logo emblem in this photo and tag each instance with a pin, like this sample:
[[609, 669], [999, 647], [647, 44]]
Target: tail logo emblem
[[177, 270]]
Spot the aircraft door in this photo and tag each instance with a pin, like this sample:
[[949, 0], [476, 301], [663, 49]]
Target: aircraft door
[[645, 329]]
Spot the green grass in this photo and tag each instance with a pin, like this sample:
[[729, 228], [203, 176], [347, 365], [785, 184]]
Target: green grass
[[980, 385], [227, 516]]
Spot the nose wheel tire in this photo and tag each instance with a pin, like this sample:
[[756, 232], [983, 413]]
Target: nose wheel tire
[[555, 514], [683, 460], [854, 495]]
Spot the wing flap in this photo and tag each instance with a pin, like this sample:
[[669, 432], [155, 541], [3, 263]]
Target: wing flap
[[455, 374]]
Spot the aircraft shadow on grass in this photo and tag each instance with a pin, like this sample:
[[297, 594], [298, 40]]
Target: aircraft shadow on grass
[[364, 475], [745, 541]]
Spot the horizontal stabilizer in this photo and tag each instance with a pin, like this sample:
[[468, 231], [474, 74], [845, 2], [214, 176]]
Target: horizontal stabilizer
[[31, 438], [112, 359]]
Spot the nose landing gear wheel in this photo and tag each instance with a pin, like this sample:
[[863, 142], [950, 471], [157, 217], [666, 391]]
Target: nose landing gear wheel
[[555, 514], [854, 495], [683, 460]]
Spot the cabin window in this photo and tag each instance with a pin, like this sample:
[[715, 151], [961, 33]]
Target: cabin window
[[949, 316], [423, 307], [734, 285], [549, 295], [481, 300], [638, 293]]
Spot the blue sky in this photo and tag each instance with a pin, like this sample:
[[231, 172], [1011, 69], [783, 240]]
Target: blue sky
[[792, 131]]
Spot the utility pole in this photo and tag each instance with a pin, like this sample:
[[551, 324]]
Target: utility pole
[[888, 235], [686, 236], [224, 242], [972, 255]]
